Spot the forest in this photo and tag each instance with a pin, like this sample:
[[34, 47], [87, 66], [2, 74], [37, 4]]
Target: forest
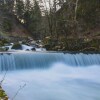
[[62, 25]]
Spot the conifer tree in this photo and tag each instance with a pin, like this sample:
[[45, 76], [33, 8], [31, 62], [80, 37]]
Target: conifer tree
[[35, 19], [19, 9]]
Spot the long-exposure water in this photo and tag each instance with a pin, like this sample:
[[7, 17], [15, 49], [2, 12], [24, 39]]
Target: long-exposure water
[[51, 76]]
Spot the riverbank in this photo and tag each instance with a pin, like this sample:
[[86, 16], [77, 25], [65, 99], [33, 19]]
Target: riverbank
[[73, 44]]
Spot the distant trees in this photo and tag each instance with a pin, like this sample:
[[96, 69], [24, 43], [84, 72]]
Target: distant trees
[[19, 9], [7, 6], [7, 25], [77, 16], [58, 17], [32, 18], [26, 12], [88, 12], [6, 10]]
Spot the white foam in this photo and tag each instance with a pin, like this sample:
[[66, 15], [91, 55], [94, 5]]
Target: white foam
[[60, 82]]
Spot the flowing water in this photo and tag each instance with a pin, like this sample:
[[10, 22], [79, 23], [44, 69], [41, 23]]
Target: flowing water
[[51, 76]]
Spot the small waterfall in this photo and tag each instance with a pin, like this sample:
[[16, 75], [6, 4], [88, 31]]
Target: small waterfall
[[14, 61], [7, 62]]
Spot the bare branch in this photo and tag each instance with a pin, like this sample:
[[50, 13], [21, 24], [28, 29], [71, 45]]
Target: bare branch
[[3, 78], [21, 87], [75, 18]]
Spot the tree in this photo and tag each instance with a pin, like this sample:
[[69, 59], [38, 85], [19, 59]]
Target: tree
[[27, 5], [88, 12], [7, 6], [34, 19], [27, 13], [19, 9]]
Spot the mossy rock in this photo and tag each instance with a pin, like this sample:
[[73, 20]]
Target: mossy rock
[[17, 46]]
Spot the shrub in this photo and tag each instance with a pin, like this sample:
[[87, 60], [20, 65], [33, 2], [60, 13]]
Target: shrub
[[4, 41]]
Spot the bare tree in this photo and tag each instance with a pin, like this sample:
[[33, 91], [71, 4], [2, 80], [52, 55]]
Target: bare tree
[[75, 18], [3, 78], [48, 13]]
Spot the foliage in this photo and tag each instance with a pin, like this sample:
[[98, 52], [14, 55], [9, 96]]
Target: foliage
[[4, 41], [3, 95], [1, 43], [72, 20], [88, 12], [7, 25], [19, 9], [35, 20]]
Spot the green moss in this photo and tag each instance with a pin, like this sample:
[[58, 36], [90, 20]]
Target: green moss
[[17, 46]]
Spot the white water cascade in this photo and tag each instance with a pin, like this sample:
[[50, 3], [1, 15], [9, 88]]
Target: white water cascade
[[29, 60], [51, 76]]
